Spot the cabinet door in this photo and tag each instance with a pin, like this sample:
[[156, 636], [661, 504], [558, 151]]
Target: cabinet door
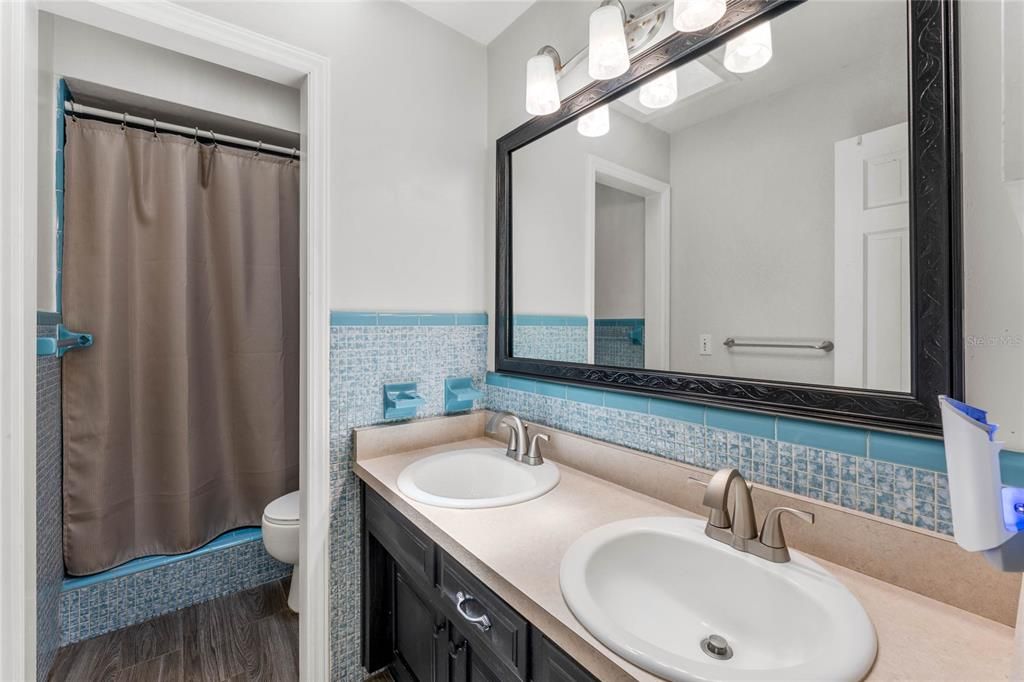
[[469, 664], [551, 664], [420, 633]]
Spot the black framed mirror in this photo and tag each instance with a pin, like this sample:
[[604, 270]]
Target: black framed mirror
[[784, 238]]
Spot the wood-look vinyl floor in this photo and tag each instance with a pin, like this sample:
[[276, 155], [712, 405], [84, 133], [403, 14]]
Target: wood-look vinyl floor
[[250, 635]]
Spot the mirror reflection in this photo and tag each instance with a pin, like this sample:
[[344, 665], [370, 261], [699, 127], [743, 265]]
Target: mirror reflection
[[745, 215]]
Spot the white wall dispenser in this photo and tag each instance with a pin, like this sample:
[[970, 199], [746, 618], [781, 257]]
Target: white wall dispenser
[[987, 516]]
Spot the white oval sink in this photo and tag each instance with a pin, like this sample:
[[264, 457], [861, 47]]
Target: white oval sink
[[651, 589], [475, 478]]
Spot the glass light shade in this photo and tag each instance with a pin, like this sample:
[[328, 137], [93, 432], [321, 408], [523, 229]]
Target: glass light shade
[[750, 51], [595, 123], [541, 86], [608, 56], [693, 15], [660, 92]]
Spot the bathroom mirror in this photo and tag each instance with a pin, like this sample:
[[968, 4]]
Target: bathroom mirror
[[763, 213]]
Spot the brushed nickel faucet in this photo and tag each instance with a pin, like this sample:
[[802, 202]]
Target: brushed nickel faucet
[[739, 530], [520, 447]]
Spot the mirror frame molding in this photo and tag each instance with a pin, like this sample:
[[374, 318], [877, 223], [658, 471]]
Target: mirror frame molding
[[935, 239]]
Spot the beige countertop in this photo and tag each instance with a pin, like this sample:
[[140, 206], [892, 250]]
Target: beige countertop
[[517, 551]]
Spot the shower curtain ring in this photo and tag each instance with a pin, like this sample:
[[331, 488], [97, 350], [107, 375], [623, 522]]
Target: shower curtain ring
[[259, 146], [294, 152], [154, 129], [74, 113], [124, 121], [214, 136], [195, 136]]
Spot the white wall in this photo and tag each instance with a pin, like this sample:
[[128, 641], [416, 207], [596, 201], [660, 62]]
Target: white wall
[[618, 254], [993, 231], [550, 208], [763, 265]]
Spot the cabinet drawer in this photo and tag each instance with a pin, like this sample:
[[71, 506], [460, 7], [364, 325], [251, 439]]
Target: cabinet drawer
[[551, 664], [406, 543], [483, 616]]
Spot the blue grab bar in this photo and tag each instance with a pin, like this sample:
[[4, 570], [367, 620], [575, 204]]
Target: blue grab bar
[[64, 341]]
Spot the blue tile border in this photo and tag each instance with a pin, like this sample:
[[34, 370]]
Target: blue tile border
[[549, 320], [231, 538], [345, 318], [863, 444], [618, 321]]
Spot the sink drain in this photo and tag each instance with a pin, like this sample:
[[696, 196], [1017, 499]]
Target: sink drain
[[715, 646]]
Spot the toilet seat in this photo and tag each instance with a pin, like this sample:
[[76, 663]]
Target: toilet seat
[[284, 511]]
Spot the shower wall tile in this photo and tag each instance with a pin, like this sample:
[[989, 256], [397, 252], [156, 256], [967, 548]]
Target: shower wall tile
[[369, 350], [113, 604], [49, 562], [619, 342]]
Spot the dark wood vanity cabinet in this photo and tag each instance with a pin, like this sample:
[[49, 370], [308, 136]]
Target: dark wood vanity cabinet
[[428, 619]]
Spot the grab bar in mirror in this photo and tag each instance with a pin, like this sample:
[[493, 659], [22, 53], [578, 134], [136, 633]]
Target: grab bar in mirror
[[825, 345]]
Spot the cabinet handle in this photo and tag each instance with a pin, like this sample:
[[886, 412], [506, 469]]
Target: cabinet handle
[[439, 628], [462, 605]]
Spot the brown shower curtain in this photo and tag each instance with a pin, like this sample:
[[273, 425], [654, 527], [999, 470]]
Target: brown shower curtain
[[181, 421]]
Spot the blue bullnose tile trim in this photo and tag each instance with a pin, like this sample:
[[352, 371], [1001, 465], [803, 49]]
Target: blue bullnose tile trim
[[341, 318], [495, 379], [741, 422], [914, 451], [626, 401], [1011, 464], [345, 318], [585, 395], [231, 538], [550, 320], [850, 441], [552, 390], [671, 409], [519, 384], [398, 319], [468, 319]]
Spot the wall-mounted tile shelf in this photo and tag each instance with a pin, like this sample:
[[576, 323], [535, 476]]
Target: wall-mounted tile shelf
[[64, 341], [459, 394], [401, 401]]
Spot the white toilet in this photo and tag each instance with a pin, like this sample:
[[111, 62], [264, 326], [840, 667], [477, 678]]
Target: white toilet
[[281, 538]]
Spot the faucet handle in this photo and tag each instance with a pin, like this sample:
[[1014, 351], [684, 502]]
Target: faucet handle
[[771, 531], [533, 456]]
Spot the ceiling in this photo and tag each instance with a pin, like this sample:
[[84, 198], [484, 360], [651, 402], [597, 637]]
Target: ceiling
[[481, 20]]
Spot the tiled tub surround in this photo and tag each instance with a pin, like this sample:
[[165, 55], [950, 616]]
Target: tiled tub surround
[[919, 638], [619, 342], [550, 337], [49, 561], [369, 350], [91, 608], [896, 477]]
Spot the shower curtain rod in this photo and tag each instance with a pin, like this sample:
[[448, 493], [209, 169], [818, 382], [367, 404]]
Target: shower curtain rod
[[125, 118]]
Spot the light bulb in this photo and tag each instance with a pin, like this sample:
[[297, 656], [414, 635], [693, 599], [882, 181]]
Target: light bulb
[[749, 51], [541, 86], [608, 55], [594, 123], [660, 92], [693, 15]]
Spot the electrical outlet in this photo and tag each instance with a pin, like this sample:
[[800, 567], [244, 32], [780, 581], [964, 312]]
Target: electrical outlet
[[705, 344]]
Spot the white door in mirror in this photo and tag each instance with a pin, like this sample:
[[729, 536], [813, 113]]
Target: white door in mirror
[[475, 478], [670, 600]]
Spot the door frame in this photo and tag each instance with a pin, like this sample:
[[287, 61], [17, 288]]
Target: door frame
[[657, 197], [186, 31]]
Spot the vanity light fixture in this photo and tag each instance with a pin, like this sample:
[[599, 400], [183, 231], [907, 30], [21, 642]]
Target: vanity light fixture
[[693, 15], [542, 82], [595, 123], [660, 92], [750, 50], [608, 53]]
